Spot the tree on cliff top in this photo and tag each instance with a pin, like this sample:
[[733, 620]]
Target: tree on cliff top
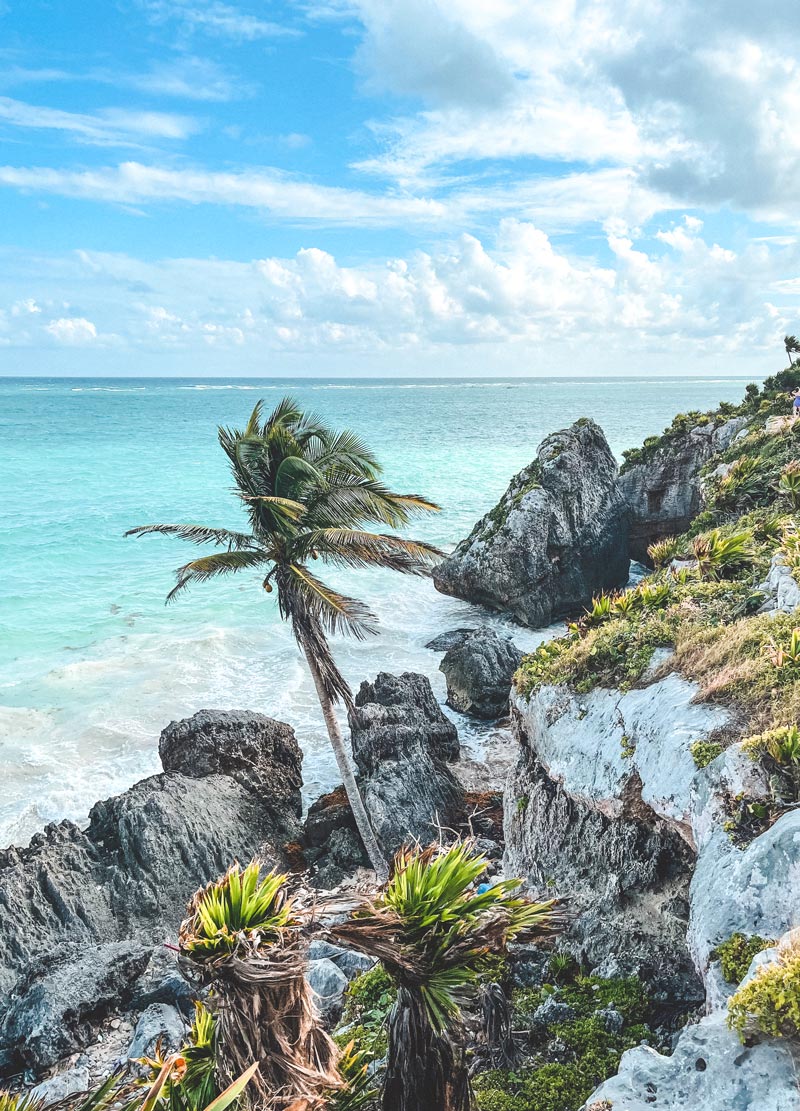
[[792, 345], [308, 491]]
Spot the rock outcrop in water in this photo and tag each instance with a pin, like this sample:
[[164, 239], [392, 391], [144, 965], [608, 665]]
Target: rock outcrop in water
[[556, 537], [402, 743], [478, 668], [82, 909]]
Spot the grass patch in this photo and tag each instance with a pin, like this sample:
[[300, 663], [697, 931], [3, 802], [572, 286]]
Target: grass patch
[[736, 954]]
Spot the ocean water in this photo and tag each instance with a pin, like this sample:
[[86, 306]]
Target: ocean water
[[92, 664]]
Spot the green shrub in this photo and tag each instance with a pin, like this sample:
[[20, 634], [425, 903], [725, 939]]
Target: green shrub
[[736, 954], [718, 554], [703, 752], [663, 551], [770, 1001]]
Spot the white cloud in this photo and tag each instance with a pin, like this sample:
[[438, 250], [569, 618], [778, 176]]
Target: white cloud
[[73, 330], [676, 291], [109, 126], [699, 100], [269, 190], [216, 19]]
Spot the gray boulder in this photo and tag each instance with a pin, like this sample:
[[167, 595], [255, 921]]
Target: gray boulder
[[478, 671], [709, 1070], [401, 744], [556, 537], [158, 1023], [328, 983], [349, 961], [127, 877], [56, 1088], [664, 493], [445, 641]]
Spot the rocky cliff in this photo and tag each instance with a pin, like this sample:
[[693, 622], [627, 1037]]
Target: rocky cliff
[[85, 912], [557, 536]]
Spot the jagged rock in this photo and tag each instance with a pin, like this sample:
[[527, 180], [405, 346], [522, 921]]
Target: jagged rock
[[781, 590], [664, 493], [129, 874], [328, 983], [552, 1012], [68, 1083], [158, 1022], [709, 1070], [451, 639], [556, 537], [612, 1019], [478, 671], [623, 753], [330, 840], [256, 751], [750, 890], [401, 742], [54, 1011]]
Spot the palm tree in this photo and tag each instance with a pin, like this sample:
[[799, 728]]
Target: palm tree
[[433, 929], [308, 491], [792, 345], [243, 937]]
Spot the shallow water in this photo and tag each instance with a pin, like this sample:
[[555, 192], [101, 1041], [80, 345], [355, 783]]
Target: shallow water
[[92, 665]]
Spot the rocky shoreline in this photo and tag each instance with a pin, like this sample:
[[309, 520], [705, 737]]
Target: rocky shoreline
[[606, 805]]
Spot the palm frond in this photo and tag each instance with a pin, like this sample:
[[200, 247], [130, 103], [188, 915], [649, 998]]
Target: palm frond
[[335, 612], [358, 501], [198, 534], [210, 566], [357, 548]]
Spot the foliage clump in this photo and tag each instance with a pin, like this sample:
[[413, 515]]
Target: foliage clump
[[736, 954], [588, 1052], [703, 752], [769, 1003]]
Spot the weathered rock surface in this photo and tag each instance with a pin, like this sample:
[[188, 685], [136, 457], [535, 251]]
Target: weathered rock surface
[[709, 1070], [478, 671], [328, 984], [623, 753], [451, 639], [781, 590], [557, 536], [158, 1023], [126, 878], [401, 744], [664, 493]]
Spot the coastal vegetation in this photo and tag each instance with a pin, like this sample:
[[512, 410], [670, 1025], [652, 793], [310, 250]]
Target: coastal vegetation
[[308, 491]]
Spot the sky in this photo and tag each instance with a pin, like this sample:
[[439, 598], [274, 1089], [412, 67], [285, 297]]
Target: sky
[[413, 187]]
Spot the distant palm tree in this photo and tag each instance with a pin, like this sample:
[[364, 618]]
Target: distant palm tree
[[792, 345], [308, 491]]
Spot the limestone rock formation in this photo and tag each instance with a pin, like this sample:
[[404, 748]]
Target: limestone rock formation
[[478, 669], [126, 878], [401, 744], [557, 536], [664, 492]]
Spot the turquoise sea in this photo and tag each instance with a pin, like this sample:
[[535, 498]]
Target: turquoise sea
[[92, 665]]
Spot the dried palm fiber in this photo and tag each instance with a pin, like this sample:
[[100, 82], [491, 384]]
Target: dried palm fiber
[[262, 1003]]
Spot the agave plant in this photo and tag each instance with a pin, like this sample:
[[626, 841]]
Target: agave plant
[[745, 483], [602, 609], [789, 483], [360, 1088], [625, 603], [717, 554], [781, 655], [242, 935], [654, 595], [663, 551], [194, 1076], [308, 492], [433, 927]]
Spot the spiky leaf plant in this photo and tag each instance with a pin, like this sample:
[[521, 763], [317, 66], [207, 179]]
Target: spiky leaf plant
[[789, 483], [718, 555], [195, 1076], [663, 551], [360, 1088], [242, 935], [433, 927], [308, 493], [115, 1089]]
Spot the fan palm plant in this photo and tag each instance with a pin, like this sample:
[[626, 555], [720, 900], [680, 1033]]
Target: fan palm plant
[[308, 491], [433, 929], [243, 937]]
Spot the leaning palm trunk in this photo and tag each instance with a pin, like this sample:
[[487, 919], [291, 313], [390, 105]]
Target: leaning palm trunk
[[425, 1071], [363, 825], [248, 948]]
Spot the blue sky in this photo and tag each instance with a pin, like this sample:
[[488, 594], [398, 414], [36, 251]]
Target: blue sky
[[423, 187]]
